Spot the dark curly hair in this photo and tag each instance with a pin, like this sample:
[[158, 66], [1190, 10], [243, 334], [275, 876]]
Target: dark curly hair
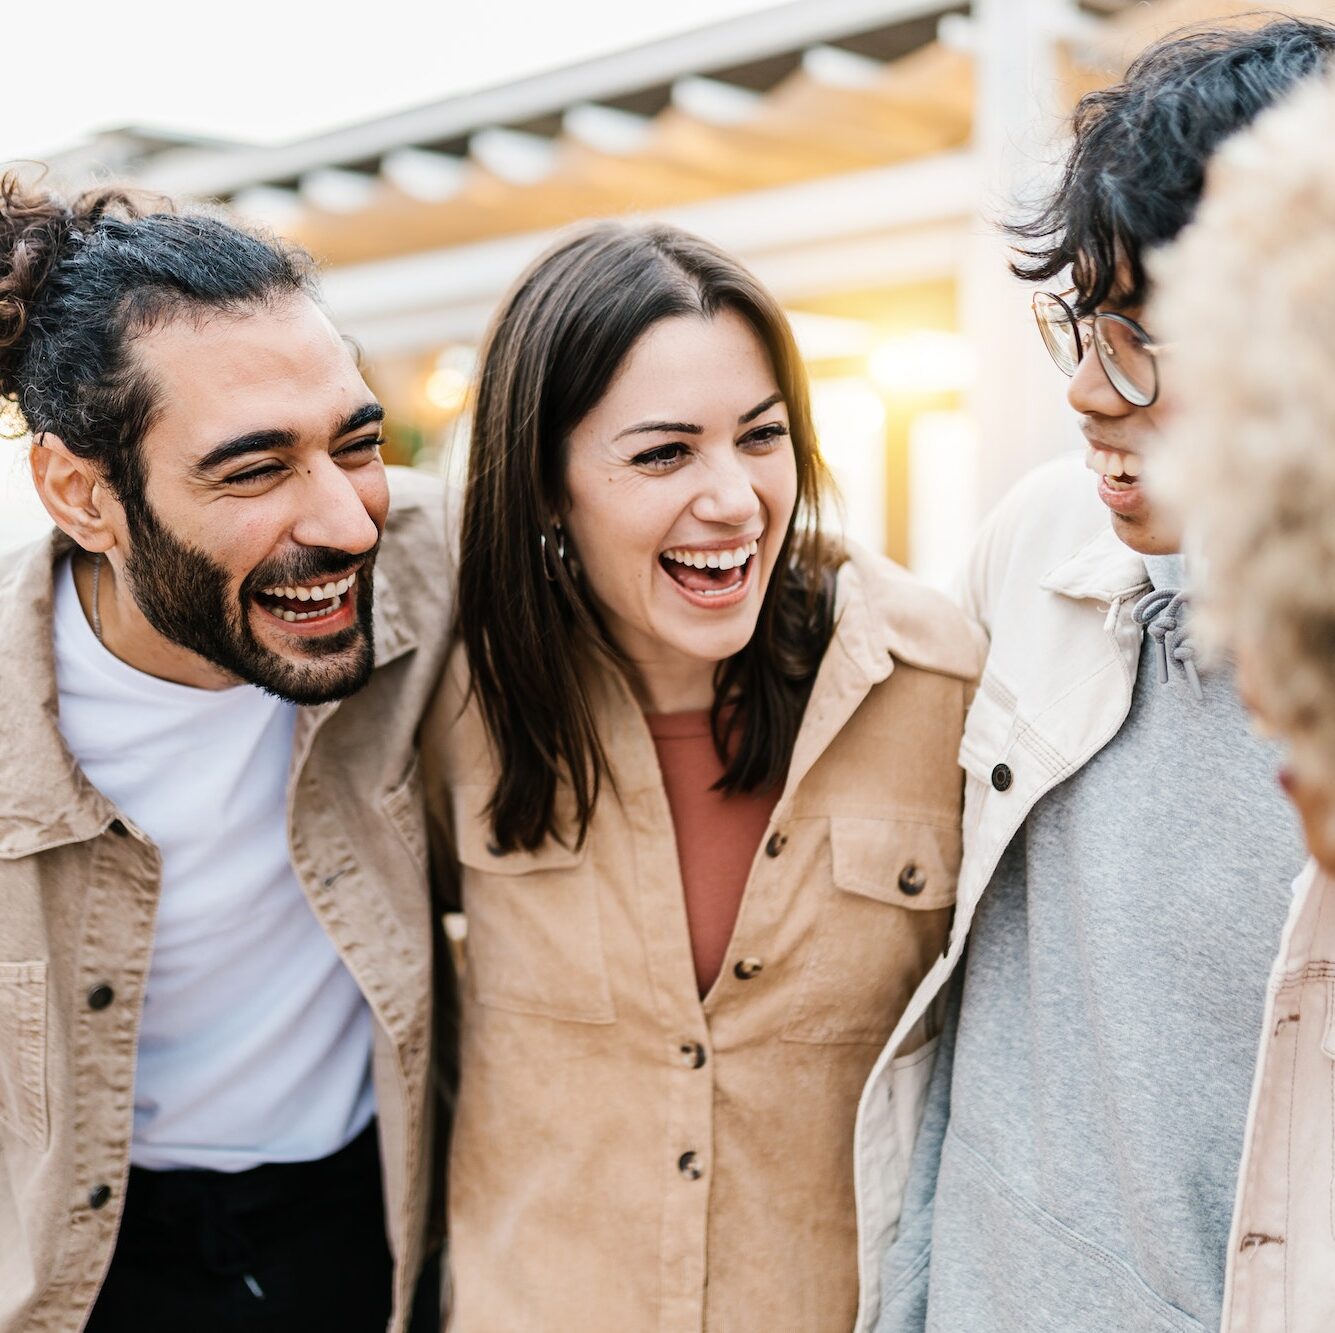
[[80, 280], [1135, 174]]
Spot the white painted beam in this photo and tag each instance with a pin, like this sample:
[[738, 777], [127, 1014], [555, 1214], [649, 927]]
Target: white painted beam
[[606, 129], [833, 67], [336, 191], [517, 158], [269, 205], [786, 27], [430, 178], [716, 103], [841, 234], [923, 193]]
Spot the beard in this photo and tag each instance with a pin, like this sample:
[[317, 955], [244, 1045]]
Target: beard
[[185, 595]]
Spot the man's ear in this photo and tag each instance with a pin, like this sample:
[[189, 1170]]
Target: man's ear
[[74, 495]]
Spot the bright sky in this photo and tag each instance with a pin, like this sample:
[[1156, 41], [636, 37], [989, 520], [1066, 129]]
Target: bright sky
[[269, 70]]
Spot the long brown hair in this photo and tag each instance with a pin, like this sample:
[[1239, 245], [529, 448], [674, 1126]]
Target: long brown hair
[[527, 623]]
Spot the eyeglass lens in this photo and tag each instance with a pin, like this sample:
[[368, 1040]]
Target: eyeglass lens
[[1121, 349]]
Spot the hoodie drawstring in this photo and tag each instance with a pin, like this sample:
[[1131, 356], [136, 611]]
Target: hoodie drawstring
[[1162, 613]]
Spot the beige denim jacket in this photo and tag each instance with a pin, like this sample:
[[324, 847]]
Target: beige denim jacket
[[626, 1156], [79, 887], [1281, 1255]]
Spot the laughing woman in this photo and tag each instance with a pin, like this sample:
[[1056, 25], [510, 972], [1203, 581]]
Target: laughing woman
[[697, 773]]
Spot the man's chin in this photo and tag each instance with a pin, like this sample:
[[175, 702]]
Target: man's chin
[[1144, 536], [308, 682]]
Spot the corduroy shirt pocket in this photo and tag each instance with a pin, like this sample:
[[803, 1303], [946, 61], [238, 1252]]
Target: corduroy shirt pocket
[[535, 942], [884, 918]]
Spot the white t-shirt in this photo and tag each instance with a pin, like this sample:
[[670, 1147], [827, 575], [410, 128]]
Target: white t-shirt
[[255, 1044]]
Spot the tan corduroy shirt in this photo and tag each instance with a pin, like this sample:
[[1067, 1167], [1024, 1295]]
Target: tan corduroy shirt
[[627, 1156], [79, 887]]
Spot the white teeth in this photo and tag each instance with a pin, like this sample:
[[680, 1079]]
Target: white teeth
[[733, 559], [1110, 463], [342, 586], [288, 615], [303, 594]]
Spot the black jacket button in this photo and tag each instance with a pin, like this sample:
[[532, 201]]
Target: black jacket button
[[1002, 777], [690, 1166], [912, 881], [775, 844], [100, 996], [748, 968], [117, 826], [98, 1196], [692, 1054]]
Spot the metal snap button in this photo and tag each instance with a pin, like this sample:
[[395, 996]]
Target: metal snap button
[[100, 996], [912, 881], [775, 844], [748, 968], [692, 1054], [690, 1165], [98, 1196], [1002, 777]]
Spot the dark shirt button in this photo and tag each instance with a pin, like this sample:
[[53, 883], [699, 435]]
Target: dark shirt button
[[1002, 777], [118, 828], [98, 1196], [693, 1054], [690, 1166], [912, 881], [748, 968], [775, 844], [100, 996]]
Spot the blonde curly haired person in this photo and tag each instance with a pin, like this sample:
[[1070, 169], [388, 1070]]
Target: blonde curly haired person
[[1244, 298]]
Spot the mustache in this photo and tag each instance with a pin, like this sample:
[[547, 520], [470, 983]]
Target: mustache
[[308, 565]]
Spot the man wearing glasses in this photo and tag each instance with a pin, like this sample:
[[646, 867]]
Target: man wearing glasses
[[1127, 853]]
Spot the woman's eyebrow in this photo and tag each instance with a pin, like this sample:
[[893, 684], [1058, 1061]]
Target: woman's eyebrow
[[686, 428], [759, 408], [667, 427]]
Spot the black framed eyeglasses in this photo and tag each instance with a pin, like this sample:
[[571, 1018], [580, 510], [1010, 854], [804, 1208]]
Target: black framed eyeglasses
[[1128, 355]]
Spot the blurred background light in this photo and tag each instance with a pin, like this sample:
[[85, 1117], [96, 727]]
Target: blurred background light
[[925, 362]]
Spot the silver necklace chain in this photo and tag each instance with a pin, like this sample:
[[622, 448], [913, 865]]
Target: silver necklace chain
[[97, 588]]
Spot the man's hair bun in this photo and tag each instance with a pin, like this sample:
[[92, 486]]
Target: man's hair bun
[[37, 229]]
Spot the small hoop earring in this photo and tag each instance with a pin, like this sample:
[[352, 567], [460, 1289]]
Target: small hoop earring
[[560, 545]]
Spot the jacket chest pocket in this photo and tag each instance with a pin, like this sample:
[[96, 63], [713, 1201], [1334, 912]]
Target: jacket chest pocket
[[534, 943], [883, 920], [23, 1108]]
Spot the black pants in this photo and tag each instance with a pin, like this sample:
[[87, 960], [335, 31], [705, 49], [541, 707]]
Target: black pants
[[285, 1248]]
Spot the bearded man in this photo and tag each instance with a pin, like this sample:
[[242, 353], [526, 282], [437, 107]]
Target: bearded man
[[217, 1104]]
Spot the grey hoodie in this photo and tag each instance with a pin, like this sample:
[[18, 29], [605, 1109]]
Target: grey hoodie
[[1076, 1168]]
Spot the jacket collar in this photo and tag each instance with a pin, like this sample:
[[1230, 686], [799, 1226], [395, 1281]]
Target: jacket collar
[[45, 799], [883, 616], [1104, 569]]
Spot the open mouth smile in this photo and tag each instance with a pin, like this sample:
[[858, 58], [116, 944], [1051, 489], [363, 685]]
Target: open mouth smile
[[315, 604], [711, 577]]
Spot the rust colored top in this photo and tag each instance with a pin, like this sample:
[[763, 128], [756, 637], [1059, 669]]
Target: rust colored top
[[717, 834]]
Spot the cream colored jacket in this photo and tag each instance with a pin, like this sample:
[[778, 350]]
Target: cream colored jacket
[[1048, 565], [79, 886], [1281, 1259], [627, 1157]]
